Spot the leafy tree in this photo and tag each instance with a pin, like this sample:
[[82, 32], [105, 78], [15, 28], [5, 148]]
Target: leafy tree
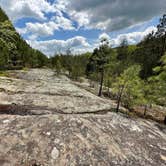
[[128, 88], [79, 66], [73, 65]]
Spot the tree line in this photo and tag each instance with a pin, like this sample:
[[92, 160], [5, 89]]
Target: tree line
[[134, 74], [15, 53]]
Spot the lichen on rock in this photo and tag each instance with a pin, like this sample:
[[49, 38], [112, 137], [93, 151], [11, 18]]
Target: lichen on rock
[[54, 122]]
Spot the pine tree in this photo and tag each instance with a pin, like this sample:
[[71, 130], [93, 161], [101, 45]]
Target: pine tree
[[122, 51], [99, 60], [161, 33], [128, 88]]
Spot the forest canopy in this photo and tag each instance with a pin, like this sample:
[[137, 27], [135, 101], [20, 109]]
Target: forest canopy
[[14, 51]]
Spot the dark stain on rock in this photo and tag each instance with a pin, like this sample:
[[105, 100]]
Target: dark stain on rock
[[30, 147], [84, 131], [4, 162]]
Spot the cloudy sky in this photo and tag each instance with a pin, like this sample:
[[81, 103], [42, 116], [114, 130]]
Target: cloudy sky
[[53, 26]]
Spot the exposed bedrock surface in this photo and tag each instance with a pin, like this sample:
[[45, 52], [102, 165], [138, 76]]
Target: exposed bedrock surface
[[68, 126], [41, 89]]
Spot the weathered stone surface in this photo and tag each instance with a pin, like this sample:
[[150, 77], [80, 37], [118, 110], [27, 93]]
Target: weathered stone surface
[[71, 139], [109, 139], [41, 89]]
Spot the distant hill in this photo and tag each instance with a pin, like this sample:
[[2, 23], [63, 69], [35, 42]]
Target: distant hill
[[14, 51]]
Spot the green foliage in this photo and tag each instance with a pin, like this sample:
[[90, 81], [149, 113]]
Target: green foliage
[[148, 54], [119, 71], [14, 51], [4, 74], [122, 51], [99, 61], [128, 86], [158, 83], [151, 49], [135, 74], [100, 57], [161, 28], [74, 65], [3, 16], [56, 64]]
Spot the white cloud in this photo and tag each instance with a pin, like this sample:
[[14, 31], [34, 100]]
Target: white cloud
[[82, 18], [26, 8], [80, 45], [133, 37], [112, 14], [51, 47], [104, 35], [106, 15], [63, 23], [47, 28], [40, 29], [21, 30]]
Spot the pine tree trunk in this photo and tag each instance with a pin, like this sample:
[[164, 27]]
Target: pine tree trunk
[[118, 104], [101, 83], [108, 92], [164, 45], [165, 120], [119, 98], [108, 88], [145, 110]]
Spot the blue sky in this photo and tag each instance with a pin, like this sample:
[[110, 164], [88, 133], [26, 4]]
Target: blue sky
[[53, 26]]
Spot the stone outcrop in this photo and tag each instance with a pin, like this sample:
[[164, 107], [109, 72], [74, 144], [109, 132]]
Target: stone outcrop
[[40, 89], [48, 121]]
